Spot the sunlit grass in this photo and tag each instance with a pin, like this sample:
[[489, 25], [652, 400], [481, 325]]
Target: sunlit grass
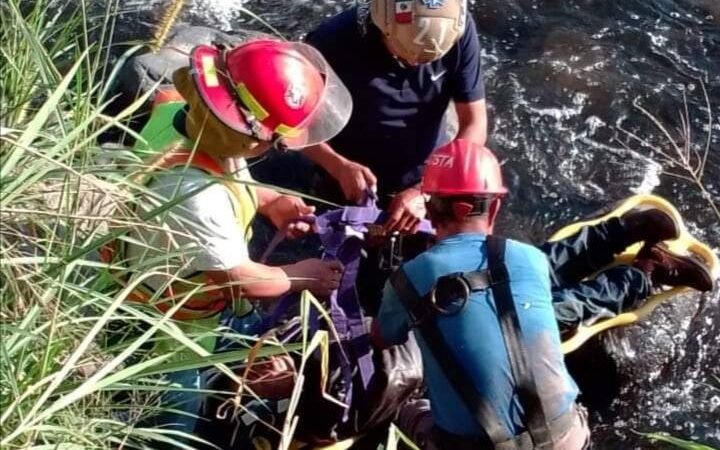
[[61, 366], [676, 442]]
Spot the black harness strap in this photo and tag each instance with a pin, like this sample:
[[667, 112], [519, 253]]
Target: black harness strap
[[422, 311], [537, 422], [477, 280], [419, 311]]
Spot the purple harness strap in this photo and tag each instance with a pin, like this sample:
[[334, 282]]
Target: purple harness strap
[[341, 232]]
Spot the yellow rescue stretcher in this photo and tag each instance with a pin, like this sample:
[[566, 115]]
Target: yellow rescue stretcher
[[685, 244]]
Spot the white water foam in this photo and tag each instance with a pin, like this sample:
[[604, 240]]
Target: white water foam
[[221, 12], [651, 178]]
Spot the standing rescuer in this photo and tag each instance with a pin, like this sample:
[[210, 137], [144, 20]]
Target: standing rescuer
[[404, 62], [231, 103], [488, 312]]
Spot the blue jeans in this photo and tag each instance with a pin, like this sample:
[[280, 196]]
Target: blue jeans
[[186, 403], [247, 325], [610, 292]]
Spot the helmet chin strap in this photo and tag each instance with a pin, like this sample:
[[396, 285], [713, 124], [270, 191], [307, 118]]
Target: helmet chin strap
[[400, 62]]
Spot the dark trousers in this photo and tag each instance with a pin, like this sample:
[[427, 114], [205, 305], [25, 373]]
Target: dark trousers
[[572, 259], [607, 294]]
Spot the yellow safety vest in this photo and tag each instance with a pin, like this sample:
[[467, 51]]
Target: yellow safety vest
[[167, 148]]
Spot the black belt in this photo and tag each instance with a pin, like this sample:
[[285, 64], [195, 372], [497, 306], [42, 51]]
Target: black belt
[[523, 441]]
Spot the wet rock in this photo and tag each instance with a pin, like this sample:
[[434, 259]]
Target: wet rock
[[654, 376]]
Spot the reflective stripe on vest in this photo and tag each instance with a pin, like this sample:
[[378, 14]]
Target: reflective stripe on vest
[[170, 149]]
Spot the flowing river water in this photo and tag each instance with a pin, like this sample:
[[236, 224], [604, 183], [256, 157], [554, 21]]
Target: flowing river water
[[564, 81]]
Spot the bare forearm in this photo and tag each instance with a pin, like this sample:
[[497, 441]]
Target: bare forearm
[[473, 132], [472, 121], [324, 156], [265, 196], [256, 280], [354, 179]]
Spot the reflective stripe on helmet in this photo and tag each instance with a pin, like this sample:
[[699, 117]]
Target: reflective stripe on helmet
[[287, 131], [210, 71], [251, 102], [278, 83]]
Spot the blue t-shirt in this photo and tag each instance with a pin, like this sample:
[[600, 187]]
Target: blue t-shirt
[[475, 337], [397, 118]]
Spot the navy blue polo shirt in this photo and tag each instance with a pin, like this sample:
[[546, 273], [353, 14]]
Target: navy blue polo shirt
[[397, 118]]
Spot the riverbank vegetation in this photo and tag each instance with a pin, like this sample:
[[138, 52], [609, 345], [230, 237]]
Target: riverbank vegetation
[[73, 371]]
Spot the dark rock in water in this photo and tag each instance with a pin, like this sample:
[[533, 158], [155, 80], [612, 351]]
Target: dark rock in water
[[657, 375], [144, 72], [506, 18]]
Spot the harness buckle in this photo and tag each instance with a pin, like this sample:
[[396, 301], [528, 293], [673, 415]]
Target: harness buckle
[[391, 254]]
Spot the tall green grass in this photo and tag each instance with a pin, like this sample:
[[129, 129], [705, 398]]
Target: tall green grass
[[61, 366]]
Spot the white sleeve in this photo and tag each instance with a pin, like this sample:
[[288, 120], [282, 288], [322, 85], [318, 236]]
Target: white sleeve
[[204, 223]]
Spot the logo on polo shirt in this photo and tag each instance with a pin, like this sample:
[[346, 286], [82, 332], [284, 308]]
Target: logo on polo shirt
[[436, 76]]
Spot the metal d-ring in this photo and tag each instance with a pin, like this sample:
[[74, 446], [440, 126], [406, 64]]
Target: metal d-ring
[[458, 278]]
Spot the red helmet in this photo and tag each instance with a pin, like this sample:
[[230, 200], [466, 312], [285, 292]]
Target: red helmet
[[463, 167], [272, 90]]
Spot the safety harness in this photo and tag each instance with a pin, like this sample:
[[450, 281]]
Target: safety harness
[[341, 232], [167, 149], [443, 299]]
